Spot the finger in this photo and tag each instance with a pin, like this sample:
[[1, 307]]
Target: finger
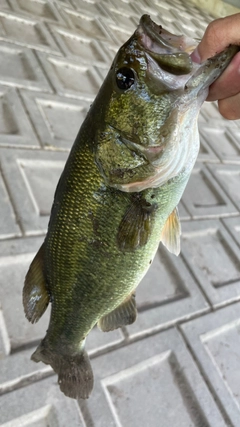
[[230, 107], [228, 84], [218, 35]]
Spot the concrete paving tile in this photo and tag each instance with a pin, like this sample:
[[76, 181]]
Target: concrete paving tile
[[116, 33], [87, 26], [31, 178], [18, 369], [213, 257], [209, 111], [41, 9], [92, 8], [123, 21], [204, 196], [183, 212], [26, 32], [206, 154], [56, 119], [167, 294], [41, 404], [98, 341], [15, 127], [19, 68], [233, 226], [129, 8], [223, 142], [73, 45], [8, 224], [71, 79], [228, 177], [15, 258], [214, 340], [137, 385], [5, 345]]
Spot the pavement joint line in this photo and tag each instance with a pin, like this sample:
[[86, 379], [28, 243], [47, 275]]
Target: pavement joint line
[[208, 383], [18, 220]]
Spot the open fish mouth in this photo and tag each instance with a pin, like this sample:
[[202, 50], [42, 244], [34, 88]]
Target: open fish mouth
[[170, 57], [171, 52]]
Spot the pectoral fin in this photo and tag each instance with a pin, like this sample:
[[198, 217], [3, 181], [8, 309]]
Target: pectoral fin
[[171, 233], [135, 227], [124, 314], [35, 294]]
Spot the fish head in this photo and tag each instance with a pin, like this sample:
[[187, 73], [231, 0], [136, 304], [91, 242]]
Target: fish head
[[153, 94]]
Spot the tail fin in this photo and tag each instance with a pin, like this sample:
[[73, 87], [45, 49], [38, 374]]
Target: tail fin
[[75, 376]]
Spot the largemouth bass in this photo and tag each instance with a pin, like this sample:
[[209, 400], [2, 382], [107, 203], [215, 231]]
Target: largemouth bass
[[118, 196]]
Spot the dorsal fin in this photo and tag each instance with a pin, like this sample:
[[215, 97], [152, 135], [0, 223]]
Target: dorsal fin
[[35, 294], [124, 314], [171, 233]]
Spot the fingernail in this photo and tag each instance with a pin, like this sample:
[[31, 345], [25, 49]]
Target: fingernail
[[195, 56]]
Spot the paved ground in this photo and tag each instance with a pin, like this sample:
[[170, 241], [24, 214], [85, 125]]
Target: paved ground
[[179, 364]]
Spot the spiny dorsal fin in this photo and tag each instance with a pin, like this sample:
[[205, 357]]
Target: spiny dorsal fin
[[135, 227], [35, 294], [124, 314], [171, 233]]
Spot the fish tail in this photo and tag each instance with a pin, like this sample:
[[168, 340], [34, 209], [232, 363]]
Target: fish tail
[[75, 376]]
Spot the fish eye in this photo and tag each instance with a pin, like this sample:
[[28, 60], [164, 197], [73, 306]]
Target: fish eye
[[125, 78]]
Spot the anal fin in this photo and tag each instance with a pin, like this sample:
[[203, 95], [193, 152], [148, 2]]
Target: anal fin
[[35, 294], [171, 233], [124, 314]]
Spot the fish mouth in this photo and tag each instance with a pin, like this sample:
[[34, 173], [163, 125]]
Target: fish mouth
[[170, 51], [170, 58]]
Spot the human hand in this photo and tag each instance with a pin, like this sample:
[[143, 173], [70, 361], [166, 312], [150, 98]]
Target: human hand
[[218, 35]]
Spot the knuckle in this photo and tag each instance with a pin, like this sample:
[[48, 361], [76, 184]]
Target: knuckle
[[228, 109]]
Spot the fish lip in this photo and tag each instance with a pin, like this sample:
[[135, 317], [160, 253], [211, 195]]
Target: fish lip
[[168, 42], [154, 31]]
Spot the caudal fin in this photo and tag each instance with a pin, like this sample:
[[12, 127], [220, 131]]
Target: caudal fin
[[75, 376]]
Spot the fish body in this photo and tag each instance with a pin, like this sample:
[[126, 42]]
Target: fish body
[[117, 197]]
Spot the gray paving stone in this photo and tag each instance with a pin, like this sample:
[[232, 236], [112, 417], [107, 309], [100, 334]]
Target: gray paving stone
[[206, 154], [183, 212], [210, 113], [129, 8], [57, 120], [71, 79], [223, 142], [204, 196], [82, 49], [92, 8], [26, 32], [150, 383], [41, 404], [15, 258], [233, 226], [167, 294], [228, 177], [19, 68], [31, 177], [37, 8], [18, 369], [8, 225], [213, 257], [15, 127], [88, 26], [214, 340]]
